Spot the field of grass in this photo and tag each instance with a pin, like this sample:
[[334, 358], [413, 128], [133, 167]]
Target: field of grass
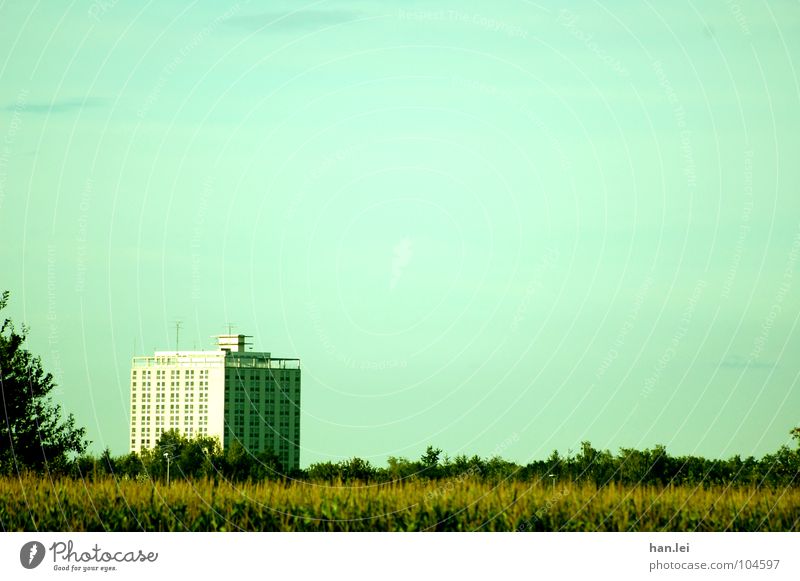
[[32, 503]]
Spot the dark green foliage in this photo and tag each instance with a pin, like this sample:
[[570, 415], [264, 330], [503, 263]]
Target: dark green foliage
[[430, 462], [189, 459], [649, 466], [32, 433], [351, 470], [202, 458], [239, 465]]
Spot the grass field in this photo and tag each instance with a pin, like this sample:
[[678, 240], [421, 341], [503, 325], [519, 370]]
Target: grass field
[[33, 503]]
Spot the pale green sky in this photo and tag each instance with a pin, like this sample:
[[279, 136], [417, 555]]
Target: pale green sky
[[493, 228]]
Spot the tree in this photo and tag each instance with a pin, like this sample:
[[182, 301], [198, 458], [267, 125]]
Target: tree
[[327, 471], [430, 462], [585, 461], [353, 470], [555, 465], [266, 466], [357, 469], [399, 468], [129, 466], [32, 433], [237, 462]]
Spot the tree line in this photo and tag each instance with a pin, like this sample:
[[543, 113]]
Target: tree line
[[34, 437], [203, 458]]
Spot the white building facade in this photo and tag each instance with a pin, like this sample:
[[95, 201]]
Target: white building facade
[[231, 394]]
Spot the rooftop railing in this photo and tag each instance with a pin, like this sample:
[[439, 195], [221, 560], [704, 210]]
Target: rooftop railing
[[220, 360]]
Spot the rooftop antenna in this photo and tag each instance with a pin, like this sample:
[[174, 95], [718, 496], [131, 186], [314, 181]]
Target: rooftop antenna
[[177, 333], [230, 328]]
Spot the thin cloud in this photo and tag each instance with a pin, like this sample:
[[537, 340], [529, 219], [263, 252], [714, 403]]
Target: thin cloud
[[57, 106], [301, 20], [739, 362]]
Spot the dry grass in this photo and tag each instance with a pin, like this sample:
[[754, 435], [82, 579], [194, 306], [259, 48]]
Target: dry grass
[[33, 503]]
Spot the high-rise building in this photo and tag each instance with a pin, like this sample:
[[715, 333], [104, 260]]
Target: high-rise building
[[230, 393]]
